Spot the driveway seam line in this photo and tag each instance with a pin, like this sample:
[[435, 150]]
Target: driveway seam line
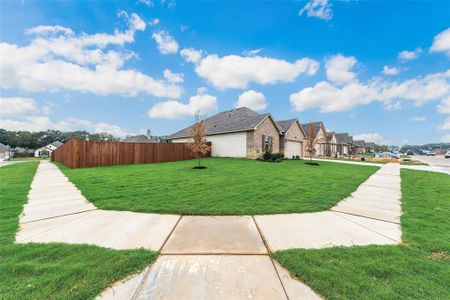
[[64, 215], [170, 234], [368, 228], [270, 257], [362, 216]]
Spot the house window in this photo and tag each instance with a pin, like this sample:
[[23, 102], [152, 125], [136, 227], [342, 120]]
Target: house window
[[267, 143]]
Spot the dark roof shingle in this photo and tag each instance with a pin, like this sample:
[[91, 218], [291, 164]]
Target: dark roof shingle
[[235, 120], [285, 124], [308, 126], [344, 138]]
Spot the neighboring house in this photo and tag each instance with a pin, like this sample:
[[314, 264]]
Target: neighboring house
[[47, 150], [332, 144], [359, 146], [5, 152], [344, 142], [320, 141], [239, 132], [370, 147], [23, 152], [292, 137], [141, 138]]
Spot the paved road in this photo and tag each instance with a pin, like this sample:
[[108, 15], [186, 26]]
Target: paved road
[[436, 162], [4, 163]]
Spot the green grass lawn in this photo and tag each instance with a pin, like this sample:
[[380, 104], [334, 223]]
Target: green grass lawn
[[419, 268], [53, 271], [226, 187], [27, 159], [413, 163]]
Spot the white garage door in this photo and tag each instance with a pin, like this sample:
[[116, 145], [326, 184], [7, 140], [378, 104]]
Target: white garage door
[[293, 149], [225, 145], [229, 144]]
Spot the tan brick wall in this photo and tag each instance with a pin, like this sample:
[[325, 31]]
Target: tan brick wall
[[320, 143], [254, 145], [293, 134]]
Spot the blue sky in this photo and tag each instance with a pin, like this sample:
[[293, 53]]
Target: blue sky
[[378, 70]]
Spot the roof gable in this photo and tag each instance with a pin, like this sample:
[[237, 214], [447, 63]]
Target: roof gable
[[316, 125]]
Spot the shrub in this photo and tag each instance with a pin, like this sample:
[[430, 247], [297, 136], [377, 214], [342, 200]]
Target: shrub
[[272, 157]]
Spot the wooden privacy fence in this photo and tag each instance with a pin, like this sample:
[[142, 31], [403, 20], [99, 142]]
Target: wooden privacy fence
[[82, 154]]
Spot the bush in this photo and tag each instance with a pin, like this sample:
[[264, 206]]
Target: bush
[[272, 157]]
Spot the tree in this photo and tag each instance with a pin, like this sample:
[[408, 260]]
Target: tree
[[311, 134], [199, 146]]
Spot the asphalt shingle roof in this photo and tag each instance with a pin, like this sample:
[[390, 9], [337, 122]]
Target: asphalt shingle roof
[[3, 147], [359, 143], [308, 126], [235, 120], [285, 124], [330, 135], [57, 144], [343, 138], [370, 145]]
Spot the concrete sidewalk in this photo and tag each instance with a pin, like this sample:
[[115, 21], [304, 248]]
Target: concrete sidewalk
[[204, 257]]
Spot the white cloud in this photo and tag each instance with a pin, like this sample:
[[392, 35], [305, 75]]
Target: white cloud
[[338, 68], [446, 125], [18, 107], [173, 77], [191, 55], [137, 23], [441, 42], [318, 9], [203, 104], [45, 29], [166, 42], [417, 119], [410, 55], [58, 59], [390, 70], [445, 138], [252, 52], [235, 71], [444, 106], [97, 127], [253, 100], [149, 3], [330, 98], [372, 138], [153, 22]]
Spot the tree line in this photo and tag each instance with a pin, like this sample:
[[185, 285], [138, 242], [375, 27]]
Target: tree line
[[38, 139]]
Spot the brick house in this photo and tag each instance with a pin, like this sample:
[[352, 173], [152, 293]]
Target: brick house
[[292, 138], [320, 134], [332, 144], [344, 142], [239, 132]]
